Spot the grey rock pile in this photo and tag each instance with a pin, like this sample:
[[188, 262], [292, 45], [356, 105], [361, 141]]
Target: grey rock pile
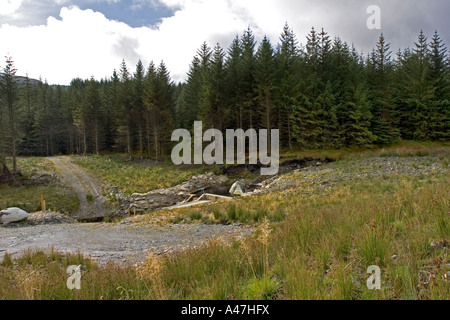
[[48, 218], [163, 198]]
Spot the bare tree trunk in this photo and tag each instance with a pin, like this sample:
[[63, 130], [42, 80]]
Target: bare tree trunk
[[13, 135], [148, 133], [84, 142], [240, 118], [129, 141], [141, 142], [2, 141], [52, 152], [268, 124], [96, 137], [289, 131], [71, 151], [156, 143], [47, 147]]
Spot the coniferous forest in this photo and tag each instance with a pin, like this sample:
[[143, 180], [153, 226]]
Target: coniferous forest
[[322, 95]]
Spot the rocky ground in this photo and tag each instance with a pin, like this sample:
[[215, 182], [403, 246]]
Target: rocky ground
[[321, 178], [44, 218]]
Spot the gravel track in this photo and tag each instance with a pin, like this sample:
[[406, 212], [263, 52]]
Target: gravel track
[[119, 243], [83, 185]]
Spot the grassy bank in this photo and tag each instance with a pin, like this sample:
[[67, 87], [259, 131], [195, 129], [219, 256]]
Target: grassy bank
[[309, 245], [28, 195], [134, 177], [402, 149]]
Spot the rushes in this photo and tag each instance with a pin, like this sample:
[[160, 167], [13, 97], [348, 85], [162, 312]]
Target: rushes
[[262, 287], [263, 238], [151, 272], [31, 280]]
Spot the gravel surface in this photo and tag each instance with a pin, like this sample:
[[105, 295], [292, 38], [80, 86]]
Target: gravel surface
[[119, 243], [84, 186]]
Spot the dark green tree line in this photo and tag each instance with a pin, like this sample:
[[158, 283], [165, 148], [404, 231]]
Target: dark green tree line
[[322, 95]]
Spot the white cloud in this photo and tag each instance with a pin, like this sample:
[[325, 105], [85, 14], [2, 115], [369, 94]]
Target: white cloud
[[61, 2], [85, 43], [8, 7], [80, 45]]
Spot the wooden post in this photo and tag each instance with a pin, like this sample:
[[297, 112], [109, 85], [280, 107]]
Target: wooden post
[[42, 203]]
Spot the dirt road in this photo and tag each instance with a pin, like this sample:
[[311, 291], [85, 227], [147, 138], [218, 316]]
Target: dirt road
[[87, 188]]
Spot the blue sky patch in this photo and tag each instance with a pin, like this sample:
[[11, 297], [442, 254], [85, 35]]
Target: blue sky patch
[[135, 15]]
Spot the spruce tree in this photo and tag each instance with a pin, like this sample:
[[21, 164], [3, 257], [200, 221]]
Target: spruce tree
[[27, 146], [265, 78], [190, 99], [313, 52], [234, 89], [2, 134], [325, 56], [8, 86], [416, 90], [125, 105], [158, 101], [110, 102], [248, 66], [288, 78], [93, 112], [204, 55], [325, 129], [138, 105], [303, 121], [380, 88], [354, 120], [218, 110], [439, 76]]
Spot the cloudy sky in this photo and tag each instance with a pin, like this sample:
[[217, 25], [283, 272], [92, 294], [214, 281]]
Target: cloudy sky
[[59, 40]]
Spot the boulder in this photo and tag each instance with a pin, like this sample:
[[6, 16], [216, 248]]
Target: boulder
[[12, 215]]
